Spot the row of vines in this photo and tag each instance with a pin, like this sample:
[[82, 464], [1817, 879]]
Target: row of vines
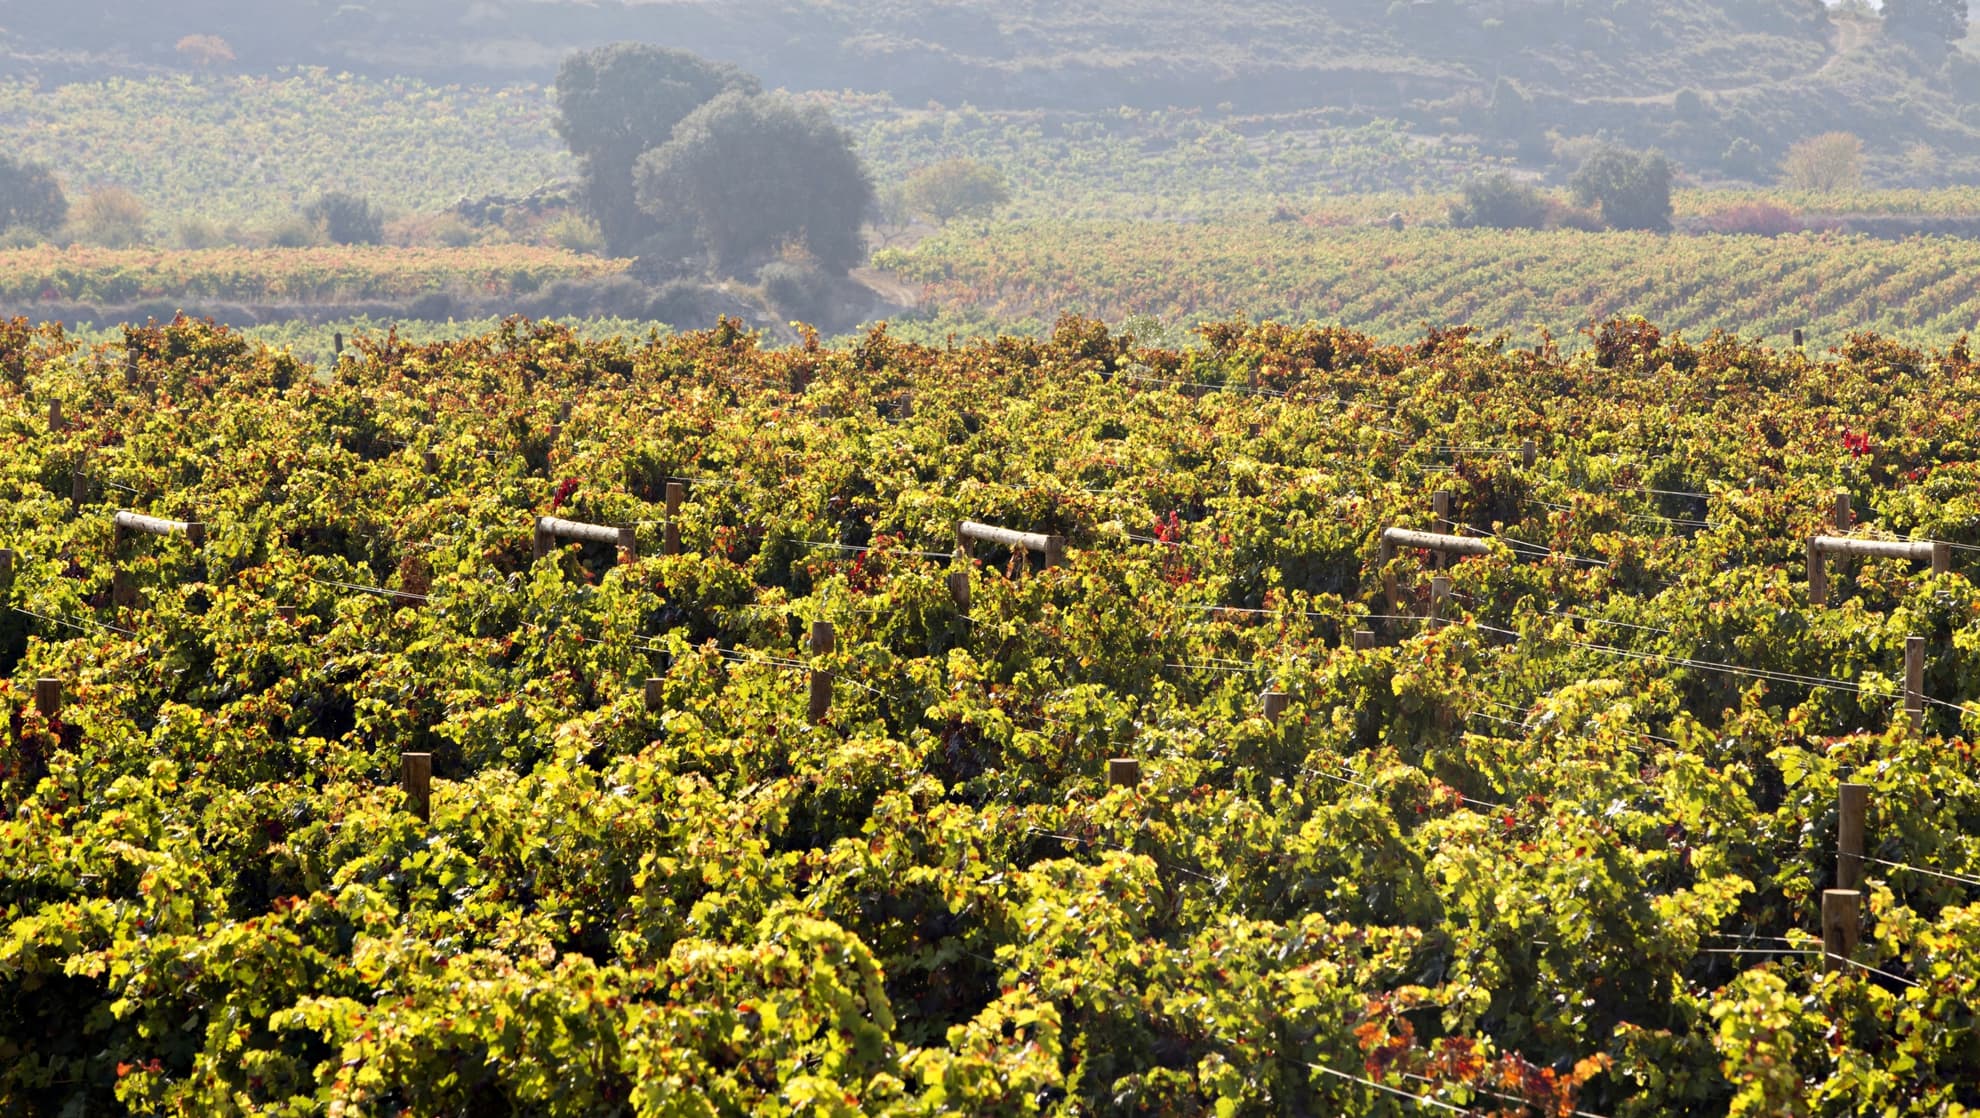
[[1560, 852]]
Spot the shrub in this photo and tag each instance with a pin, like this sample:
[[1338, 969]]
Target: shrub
[[797, 289], [111, 216], [346, 219], [956, 188], [30, 198], [1633, 189], [1825, 164], [290, 232], [575, 232], [1500, 201], [1757, 219]]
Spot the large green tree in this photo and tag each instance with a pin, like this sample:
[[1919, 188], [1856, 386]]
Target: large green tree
[[754, 173], [30, 198], [615, 104], [1632, 188]]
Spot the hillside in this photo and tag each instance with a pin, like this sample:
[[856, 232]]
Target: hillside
[[1523, 75]]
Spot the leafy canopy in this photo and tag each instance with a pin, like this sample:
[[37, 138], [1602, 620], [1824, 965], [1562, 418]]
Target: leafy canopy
[[30, 198], [1632, 188], [753, 173], [618, 102]]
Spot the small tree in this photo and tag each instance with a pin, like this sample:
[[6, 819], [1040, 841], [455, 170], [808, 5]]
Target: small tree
[[30, 198], [956, 188], [346, 219], [111, 216], [754, 173], [1632, 188], [204, 52], [1499, 201], [1824, 164]]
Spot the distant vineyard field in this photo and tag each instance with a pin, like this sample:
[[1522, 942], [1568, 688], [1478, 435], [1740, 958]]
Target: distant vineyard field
[[44, 275], [249, 148], [1023, 275]]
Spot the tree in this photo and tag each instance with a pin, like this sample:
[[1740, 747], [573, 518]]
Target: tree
[[1824, 164], [1500, 201], [956, 188], [346, 219], [30, 198], [751, 173], [1930, 21], [619, 102], [1632, 188]]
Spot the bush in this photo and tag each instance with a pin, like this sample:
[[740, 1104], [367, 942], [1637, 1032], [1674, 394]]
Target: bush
[[1500, 202], [1825, 164], [346, 219], [956, 188], [290, 232], [30, 198], [576, 233], [1757, 219], [1633, 189], [197, 233], [112, 217], [797, 290]]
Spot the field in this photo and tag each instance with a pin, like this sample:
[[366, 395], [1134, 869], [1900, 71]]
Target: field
[[1155, 830], [1022, 275]]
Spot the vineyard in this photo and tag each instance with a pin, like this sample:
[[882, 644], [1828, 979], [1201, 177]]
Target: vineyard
[[1298, 725], [1019, 275]]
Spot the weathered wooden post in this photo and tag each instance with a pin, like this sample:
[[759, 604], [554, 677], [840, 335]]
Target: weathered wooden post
[[1844, 515], [336, 347], [416, 775], [48, 697], [959, 589], [1273, 704], [1529, 453], [1914, 682], [823, 640], [430, 460], [55, 420], [1852, 806], [1123, 772], [1839, 927], [1937, 553], [1051, 546], [1364, 640], [1395, 538], [1440, 507], [655, 698], [671, 542], [1440, 589], [287, 613], [79, 482], [1797, 337], [549, 529]]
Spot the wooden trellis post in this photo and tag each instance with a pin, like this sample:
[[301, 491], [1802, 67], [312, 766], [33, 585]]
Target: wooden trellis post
[[1273, 704], [1937, 553], [48, 697], [55, 420], [1839, 927], [549, 530], [1852, 807], [1394, 538], [1914, 682], [671, 534], [79, 482], [1052, 547], [1123, 772], [1364, 640], [959, 589], [823, 640], [1440, 506], [1529, 453], [6, 567], [655, 698], [416, 775], [1843, 515], [123, 591], [1440, 590]]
